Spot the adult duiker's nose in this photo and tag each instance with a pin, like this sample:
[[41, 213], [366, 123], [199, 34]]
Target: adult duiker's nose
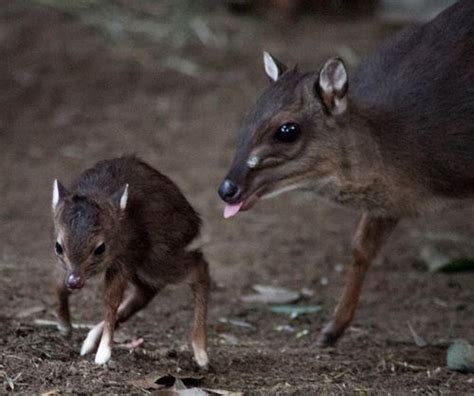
[[74, 281], [229, 191]]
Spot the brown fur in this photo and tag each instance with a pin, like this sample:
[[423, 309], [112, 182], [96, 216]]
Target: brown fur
[[145, 243], [403, 143]]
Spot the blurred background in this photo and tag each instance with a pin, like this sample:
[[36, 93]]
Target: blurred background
[[83, 80]]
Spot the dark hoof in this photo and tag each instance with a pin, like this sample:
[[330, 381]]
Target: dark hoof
[[328, 336], [326, 340]]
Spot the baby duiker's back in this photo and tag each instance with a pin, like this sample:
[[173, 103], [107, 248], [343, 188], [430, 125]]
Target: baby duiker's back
[[155, 204]]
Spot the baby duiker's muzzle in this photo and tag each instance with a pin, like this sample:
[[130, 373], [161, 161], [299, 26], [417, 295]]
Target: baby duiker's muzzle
[[74, 281]]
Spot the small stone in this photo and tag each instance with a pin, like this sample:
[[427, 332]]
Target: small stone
[[461, 357]]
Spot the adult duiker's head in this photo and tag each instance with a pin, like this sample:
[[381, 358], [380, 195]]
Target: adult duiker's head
[[290, 138]]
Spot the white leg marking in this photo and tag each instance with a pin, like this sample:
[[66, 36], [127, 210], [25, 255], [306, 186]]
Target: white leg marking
[[105, 351], [92, 338], [200, 355]]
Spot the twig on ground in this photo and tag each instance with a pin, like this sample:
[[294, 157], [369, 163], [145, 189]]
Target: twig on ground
[[47, 322]]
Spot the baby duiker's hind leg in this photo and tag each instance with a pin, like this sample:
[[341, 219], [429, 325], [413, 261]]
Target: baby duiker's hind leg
[[138, 299], [199, 281]]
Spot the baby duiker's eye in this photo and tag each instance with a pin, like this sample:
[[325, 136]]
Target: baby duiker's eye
[[288, 133], [99, 250], [58, 249]]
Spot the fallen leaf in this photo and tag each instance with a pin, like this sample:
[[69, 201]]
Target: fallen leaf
[[285, 328], [237, 323], [9, 381], [459, 265], [419, 341], [223, 392], [51, 392], [271, 295], [168, 381], [294, 311], [169, 385], [229, 339], [436, 261], [307, 292], [302, 333], [460, 357]]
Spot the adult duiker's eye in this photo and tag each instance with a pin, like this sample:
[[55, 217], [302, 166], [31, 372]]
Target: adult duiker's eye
[[288, 133], [58, 249], [99, 250]]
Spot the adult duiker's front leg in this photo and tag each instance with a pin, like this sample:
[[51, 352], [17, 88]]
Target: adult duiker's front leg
[[371, 233]]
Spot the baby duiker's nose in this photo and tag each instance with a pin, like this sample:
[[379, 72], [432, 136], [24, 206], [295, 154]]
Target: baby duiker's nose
[[74, 281], [229, 191]]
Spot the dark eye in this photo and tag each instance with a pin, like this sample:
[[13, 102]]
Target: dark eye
[[288, 133], [99, 250], [58, 248]]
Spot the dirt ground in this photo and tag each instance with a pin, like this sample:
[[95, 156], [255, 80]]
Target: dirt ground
[[70, 96]]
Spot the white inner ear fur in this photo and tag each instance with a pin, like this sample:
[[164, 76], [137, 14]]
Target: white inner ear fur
[[55, 194], [124, 198], [340, 106], [340, 77], [271, 67], [335, 79]]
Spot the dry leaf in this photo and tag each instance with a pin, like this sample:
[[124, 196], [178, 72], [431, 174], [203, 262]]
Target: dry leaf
[[169, 385], [168, 381], [419, 341], [271, 295]]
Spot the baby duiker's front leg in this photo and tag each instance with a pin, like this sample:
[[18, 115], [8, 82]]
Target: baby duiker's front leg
[[92, 340], [139, 297], [62, 305], [115, 286]]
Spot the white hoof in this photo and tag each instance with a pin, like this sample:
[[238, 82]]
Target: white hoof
[[103, 355], [92, 339], [200, 355]]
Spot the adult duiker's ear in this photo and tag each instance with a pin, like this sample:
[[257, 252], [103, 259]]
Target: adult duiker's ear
[[120, 197], [332, 86], [273, 67], [59, 193]]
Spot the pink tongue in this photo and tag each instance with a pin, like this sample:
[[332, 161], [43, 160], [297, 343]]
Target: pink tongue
[[232, 210]]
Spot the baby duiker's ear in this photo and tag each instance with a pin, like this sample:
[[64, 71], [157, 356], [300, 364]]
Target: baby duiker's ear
[[120, 197], [59, 193], [332, 86], [273, 67]]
